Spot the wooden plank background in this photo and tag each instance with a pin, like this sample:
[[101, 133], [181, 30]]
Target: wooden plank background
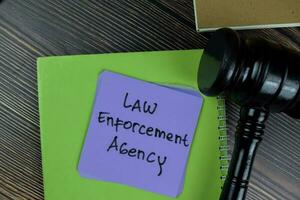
[[31, 28]]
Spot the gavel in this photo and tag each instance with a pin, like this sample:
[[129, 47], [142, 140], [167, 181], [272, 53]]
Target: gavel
[[260, 76]]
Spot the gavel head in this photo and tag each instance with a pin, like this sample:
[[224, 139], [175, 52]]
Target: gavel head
[[251, 72]]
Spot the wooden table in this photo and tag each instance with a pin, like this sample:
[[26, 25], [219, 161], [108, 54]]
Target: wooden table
[[31, 28]]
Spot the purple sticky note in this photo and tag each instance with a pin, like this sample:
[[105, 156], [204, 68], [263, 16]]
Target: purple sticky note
[[140, 134]]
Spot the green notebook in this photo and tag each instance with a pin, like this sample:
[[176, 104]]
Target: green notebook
[[67, 86]]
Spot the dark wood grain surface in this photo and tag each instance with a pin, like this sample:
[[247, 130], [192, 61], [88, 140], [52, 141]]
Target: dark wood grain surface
[[34, 28]]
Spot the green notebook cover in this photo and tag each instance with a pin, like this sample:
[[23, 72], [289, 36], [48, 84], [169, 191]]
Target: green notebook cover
[[67, 86]]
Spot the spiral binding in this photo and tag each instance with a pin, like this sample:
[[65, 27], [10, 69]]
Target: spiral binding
[[223, 148]]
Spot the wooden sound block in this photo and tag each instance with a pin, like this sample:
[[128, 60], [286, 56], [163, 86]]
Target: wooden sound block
[[246, 14]]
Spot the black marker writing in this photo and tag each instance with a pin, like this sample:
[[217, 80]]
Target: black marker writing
[[138, 154], [141, 129], [137, 105]]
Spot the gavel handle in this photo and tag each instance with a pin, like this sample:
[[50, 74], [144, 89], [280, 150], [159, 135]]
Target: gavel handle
[[248, 135]]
